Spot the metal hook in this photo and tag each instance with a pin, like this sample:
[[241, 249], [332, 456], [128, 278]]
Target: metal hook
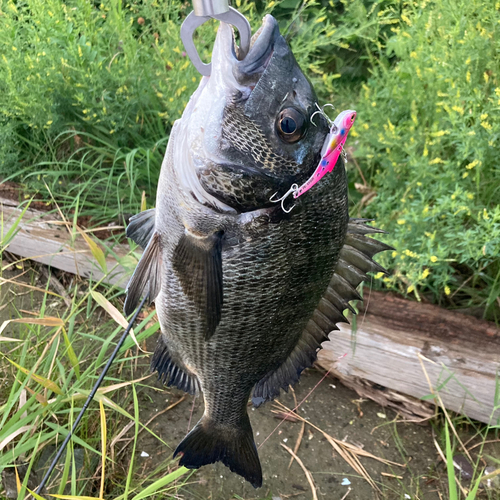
[[293, 188], [321, 111], [344, 154], [216, 9]]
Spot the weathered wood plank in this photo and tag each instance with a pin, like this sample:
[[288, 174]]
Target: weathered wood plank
[[461, 354], [42, 238], [396, 339]]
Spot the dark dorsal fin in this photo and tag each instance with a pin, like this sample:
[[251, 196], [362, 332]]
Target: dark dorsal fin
[[148, 271], [197, 261], [170, 373], [141, 227], [355, 261]]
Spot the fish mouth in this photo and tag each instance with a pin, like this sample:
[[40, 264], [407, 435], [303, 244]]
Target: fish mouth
[[247, 70]]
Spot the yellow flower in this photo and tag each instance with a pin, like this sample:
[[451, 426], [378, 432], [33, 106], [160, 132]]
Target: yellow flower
[[465, 174], [447, 290], [486, 77], [413, 55], [379, 275], [434, 258], [473, 164], [435, 161], [484, 116], [467, 76], [425, 273], [406, 19], [401, 222], [374, 103], [486, 125], [394, 254], [458, 109], [410, 289]]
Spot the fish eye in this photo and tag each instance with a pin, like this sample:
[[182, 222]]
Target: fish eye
[[291, 125]]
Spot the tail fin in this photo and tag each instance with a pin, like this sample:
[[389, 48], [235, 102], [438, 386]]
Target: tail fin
[[210, 442]]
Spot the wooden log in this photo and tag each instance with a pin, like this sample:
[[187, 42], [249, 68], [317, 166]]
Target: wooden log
[[46, 239], [403, 346], [396, 346]]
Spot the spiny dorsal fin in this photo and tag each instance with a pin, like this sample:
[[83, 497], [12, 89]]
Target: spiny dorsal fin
[[141, 227], [147, 271], [197, 261], [169, 373], [354, 262]]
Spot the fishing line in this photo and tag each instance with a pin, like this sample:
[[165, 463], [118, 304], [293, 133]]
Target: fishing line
[[292, 410], [91, 396]]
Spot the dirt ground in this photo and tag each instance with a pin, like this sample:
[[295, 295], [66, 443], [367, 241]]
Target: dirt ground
[[333, 408], [327, 404]]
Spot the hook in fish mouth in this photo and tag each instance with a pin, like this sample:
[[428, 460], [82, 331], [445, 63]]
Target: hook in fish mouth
[[293, 189]]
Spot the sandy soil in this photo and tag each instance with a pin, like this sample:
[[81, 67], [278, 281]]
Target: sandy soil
[[333, 408]]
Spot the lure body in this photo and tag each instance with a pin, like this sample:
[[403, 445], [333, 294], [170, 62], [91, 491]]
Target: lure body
[[333, 146]]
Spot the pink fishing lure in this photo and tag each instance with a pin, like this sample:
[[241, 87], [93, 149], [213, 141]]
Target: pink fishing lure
[[332, 148]]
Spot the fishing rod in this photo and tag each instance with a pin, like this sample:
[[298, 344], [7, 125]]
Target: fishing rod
[[90, 397]]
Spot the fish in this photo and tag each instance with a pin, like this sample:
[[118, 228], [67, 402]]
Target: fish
[[246, 292]]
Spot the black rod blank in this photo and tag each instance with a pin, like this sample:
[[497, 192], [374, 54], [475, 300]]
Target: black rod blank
[[90, 397]]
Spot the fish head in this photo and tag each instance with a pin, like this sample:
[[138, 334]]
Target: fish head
[[251, 133]]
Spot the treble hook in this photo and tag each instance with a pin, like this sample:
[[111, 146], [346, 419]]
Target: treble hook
[[321, 111], [293, 188]]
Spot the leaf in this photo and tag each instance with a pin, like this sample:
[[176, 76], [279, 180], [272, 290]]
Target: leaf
[[7, 238], [472, 494], [8, 339], [48, 321], [143, 202], [12, 436], [449, 465], [114, 313], [96, 250], [39, 397], [103, 447], [157, 485], [71, 355], [45, 382], [36, 496], [71, 497]]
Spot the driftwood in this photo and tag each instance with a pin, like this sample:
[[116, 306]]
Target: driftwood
[[404, 346], [47, 239], [398, 348]]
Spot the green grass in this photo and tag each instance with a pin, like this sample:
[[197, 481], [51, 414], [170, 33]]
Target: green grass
[[88, 96], [50, 359]]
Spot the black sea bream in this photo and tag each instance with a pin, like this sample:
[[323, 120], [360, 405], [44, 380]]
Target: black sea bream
[[245, 292]]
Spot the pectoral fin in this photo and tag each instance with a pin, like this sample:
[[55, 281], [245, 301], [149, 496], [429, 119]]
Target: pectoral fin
[[197, 262]]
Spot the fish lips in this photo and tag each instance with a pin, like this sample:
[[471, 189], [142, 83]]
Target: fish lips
[[248, 70]]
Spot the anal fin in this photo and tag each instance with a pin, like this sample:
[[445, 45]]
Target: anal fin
[[170, 373]]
